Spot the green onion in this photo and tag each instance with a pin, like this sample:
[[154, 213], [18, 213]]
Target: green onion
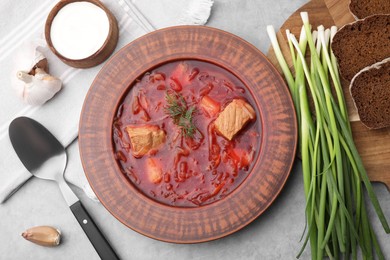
[[333, 173]]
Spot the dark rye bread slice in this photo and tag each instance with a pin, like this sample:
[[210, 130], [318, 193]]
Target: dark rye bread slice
[[361, 44], [370, 90], [364, 8]]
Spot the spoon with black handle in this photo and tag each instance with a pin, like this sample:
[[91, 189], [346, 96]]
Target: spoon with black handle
[[45, 157]]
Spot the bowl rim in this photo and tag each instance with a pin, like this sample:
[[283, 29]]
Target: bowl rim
[[292, 121], [125, 92]]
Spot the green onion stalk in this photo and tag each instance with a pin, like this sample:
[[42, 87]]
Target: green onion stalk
[[337, 223]]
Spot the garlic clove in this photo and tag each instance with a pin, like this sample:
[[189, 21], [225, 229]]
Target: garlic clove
[[43, 235]]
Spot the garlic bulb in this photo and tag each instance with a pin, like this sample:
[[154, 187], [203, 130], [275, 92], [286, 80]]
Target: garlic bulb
[[38, 88], [43, 235], [34, 85]]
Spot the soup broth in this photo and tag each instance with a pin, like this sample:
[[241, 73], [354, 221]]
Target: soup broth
[[187, 133]]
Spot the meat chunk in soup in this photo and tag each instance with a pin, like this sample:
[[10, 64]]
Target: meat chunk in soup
[[233, 118], [144, 139]]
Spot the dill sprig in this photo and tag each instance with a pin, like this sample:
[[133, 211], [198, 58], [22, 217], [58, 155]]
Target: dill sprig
[[181, 114]]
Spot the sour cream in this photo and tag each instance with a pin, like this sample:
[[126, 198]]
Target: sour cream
[[79, 30]]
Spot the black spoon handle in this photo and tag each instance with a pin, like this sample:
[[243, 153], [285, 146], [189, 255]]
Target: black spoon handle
[[97, 239]]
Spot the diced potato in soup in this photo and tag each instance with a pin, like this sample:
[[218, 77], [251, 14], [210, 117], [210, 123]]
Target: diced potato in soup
[[210, 106], [153, 170]]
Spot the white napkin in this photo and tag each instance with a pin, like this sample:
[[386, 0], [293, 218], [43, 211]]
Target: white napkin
[[61, 114]]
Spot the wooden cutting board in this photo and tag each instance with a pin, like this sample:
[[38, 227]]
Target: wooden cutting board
[[373, 145]]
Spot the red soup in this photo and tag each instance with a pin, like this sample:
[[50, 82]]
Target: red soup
[[187, 133]]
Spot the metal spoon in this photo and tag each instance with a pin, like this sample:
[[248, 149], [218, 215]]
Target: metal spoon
[[45, 157]]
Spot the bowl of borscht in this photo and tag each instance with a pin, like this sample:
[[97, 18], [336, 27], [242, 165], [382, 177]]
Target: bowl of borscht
[[187, 134]]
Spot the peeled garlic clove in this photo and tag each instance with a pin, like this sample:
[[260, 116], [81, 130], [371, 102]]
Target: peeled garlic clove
[[43, 235]]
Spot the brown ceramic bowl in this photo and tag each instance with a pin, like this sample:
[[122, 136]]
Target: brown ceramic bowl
[[99, 56], [270, 170]]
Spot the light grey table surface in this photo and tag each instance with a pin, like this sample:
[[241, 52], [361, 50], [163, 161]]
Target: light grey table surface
[[274, 235]]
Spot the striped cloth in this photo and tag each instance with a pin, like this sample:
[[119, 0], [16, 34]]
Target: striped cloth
[[23, 21]]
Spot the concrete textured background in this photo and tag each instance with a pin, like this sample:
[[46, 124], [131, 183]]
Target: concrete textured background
[[274, 235]]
